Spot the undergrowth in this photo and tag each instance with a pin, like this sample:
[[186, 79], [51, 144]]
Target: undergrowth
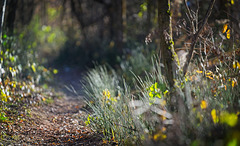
[[203, 108]]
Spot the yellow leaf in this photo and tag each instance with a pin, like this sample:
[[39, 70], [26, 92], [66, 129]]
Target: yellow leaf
[[225, 26], [232, 2], [203, 104], [228, 34], [43, 99]]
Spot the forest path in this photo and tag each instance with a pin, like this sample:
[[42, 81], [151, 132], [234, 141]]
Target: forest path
[[60, 122], [56, 121]]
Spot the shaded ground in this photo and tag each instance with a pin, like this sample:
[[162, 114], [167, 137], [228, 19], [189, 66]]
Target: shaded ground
[[57, 121], [69, 77]]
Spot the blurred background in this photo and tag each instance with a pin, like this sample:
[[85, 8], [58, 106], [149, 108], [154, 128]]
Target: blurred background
[[75, 34]]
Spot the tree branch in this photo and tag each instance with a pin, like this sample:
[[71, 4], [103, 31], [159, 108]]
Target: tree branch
[[190, 17], [195, 37]]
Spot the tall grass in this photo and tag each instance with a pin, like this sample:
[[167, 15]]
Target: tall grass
[[206, 102], [108, 98]]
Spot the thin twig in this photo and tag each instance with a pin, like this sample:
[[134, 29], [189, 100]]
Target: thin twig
[[190, 17], [195, 37]]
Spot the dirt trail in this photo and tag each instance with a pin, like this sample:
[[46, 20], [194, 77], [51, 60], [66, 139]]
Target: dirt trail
[[58, 122]]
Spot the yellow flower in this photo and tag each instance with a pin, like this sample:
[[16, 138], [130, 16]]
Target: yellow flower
[[165, 93], [209, 73], [214, 116], [199, 71], [106, 93], [203, 104], [159, 136], [210, 77], [238, 65], [234, 64], [228, 34], [234, 83], [225, 26], [150, 94]]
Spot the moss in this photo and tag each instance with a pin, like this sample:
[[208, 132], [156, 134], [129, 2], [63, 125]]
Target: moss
[[174, 56], [169, 11]]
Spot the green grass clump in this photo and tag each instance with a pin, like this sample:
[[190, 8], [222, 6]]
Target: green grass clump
[[108, 98]]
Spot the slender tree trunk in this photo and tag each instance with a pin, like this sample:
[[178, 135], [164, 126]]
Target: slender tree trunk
[[166, 41], [124, 20], [2, 19]]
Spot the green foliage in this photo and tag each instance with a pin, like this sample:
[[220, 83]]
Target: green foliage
[[20, 74], [3, 117], [207, 97], [143, 8]]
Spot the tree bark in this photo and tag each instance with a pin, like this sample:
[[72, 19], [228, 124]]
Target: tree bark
[[149, 15], [117, 24], [11, 15], [166, 41]]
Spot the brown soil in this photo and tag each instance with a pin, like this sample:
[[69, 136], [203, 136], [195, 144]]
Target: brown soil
[[57, 123]]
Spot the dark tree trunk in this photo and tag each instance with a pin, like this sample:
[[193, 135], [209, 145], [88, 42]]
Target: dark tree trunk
[[116, 22], [124, 20], [166, 42], [149, 15], [10, 17]]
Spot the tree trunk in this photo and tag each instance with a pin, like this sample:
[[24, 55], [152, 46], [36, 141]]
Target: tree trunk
[[124, 20], [116, 22], [2, 19], [149, 16], [10, 17], [166, 41]]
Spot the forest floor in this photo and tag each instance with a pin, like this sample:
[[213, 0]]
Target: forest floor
[[59, 121]]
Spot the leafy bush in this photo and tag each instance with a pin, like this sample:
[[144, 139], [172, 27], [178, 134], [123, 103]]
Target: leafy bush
[[20, 75]]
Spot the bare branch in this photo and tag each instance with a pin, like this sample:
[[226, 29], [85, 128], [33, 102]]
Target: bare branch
[[195, 37], [190, 17]]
